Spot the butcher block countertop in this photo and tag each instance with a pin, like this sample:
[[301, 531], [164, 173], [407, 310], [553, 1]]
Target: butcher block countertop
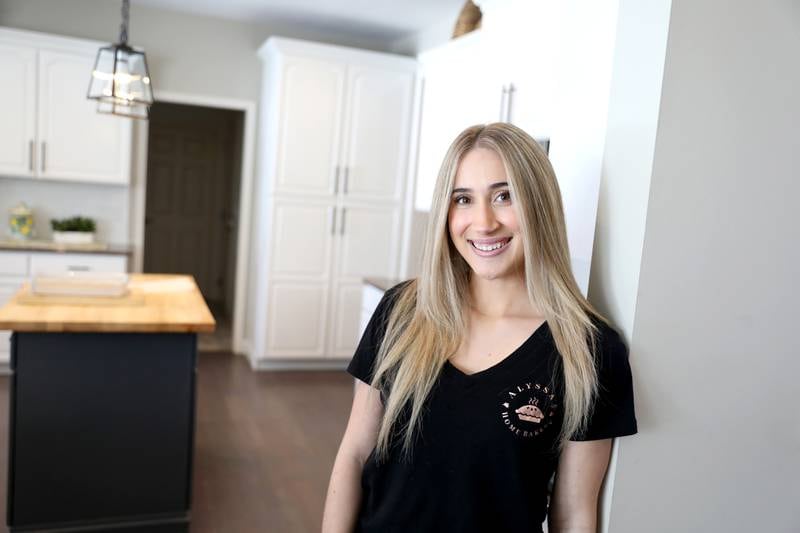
[[156, 303]]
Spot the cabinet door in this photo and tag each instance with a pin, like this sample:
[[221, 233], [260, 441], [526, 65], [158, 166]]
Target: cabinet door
[[302, 239], [378, 115], [296, 319], [368, 242], [310, 107], [75, 141], [367, 247], [17, 109], [345, 319]]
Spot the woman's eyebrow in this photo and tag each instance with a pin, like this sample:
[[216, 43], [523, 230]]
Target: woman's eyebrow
[[498, 185]]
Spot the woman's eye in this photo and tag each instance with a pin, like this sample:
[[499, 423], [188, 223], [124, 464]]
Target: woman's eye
[[461, 200], [504, 196]]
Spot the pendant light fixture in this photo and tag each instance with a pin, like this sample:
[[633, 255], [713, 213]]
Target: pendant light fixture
[[120, 81]]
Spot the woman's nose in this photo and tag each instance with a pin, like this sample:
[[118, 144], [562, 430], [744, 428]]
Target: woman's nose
[[485, 219]]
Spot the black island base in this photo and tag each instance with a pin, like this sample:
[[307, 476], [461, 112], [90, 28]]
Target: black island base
[[101, 432]]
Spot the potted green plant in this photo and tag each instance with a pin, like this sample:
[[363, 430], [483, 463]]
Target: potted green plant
[[75, 230]]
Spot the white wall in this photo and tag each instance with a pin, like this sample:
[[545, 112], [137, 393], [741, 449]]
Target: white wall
[[713, 343], [632, 120]]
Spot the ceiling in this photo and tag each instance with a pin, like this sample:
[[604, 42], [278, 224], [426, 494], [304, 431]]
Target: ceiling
[[388, 18]]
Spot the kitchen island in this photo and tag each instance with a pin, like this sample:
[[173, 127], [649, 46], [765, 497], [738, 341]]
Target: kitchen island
[[102, 399]]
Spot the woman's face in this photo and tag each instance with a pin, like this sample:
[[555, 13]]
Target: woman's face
[[482, 220]]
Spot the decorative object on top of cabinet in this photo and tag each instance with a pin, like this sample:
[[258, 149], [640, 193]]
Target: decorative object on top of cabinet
[[20, 222], [335, 139], [49, 129], [120, 80], [469, 19]]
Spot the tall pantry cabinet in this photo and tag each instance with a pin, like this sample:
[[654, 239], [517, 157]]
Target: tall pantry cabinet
[[335, 126]]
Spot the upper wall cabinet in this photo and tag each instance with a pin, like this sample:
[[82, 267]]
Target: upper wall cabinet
[[49, 129], [341, 119], [18, 109]]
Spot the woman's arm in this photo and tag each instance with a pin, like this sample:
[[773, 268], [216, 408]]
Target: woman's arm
[[581, 468], [344, 490]]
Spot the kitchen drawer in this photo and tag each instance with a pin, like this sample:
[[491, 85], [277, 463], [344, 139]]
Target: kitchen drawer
[[13, 264], [77, 262]]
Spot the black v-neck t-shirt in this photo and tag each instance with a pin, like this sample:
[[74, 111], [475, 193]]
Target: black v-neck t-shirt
[[486, 449]]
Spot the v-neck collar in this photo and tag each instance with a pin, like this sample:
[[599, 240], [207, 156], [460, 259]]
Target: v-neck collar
[[507, 360]]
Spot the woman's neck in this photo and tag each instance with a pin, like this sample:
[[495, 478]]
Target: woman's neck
[[504, 297]]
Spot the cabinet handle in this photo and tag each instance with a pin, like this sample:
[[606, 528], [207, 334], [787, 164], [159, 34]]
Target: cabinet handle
[[503, 103], [346, 176], [333, 220], [336, 181], [509, 101], [78, 268], [344, 219], [44, 155], [31, 147]]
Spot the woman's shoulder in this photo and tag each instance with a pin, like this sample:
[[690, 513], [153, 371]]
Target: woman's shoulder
[[610, 347]]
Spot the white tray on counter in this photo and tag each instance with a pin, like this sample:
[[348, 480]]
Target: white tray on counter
[[98, 284]]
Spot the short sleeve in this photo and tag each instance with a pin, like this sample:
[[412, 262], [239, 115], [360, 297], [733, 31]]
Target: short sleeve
[[363, 362], [613, 414]]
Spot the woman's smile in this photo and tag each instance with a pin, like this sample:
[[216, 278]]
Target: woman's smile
[[489, 247]]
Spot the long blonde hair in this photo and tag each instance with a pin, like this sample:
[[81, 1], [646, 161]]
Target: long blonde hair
[[427, 322]]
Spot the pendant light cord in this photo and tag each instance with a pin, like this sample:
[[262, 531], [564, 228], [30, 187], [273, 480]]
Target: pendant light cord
[[123, 28]]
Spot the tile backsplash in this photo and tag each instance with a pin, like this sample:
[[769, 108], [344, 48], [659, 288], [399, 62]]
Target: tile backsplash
[[108, 205]]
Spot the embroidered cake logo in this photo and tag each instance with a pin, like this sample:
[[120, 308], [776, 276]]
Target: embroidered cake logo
[[528, 409]]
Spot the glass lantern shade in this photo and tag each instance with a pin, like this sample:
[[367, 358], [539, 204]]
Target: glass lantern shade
[[121, 82]]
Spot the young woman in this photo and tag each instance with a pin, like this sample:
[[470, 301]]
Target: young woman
[[479, 380]]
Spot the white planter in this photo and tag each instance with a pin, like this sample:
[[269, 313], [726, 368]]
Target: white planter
[[73, 237]]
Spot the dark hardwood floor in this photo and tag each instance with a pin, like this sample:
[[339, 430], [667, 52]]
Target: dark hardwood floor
[[264, 446]]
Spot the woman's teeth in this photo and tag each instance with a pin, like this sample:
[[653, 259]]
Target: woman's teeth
[[489, 247]]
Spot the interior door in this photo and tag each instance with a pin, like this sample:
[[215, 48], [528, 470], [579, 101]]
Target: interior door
[[75, 141], [189, 188], [17, 109], [311, 102], [378, 116]]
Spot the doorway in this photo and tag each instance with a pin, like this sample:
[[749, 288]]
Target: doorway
[[194, 163]]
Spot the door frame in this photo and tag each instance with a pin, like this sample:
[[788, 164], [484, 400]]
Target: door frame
[[139, 187]]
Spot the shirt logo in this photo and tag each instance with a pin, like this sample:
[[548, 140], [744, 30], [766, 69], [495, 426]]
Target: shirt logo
[[528, 409]]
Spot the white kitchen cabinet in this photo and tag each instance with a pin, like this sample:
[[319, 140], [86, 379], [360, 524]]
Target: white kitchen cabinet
[[335, 135], [49, 129], [75, 141], [16, 267], [18, 109], [378, 116], [310, 126]]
